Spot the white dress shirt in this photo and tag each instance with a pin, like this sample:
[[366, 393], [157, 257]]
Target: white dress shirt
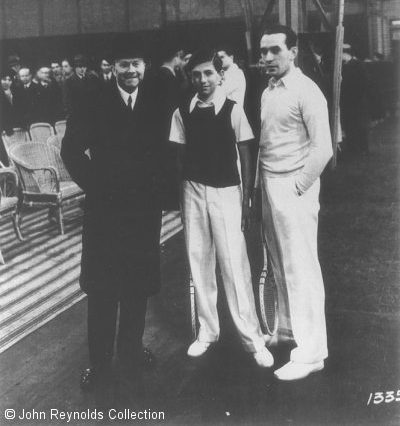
[[107, 77], [295, 135], [239, 120], [234, 84], [125, 95]]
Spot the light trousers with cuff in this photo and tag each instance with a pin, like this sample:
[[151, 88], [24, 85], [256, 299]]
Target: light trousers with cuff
[[212, 224], [290, 224]]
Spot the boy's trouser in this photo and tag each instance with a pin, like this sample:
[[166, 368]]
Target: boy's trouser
[[290, 224], [212, 223]]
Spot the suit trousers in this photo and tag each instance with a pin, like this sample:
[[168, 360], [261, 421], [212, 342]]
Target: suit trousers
[[102, 328], [212, 224], [290, 224]]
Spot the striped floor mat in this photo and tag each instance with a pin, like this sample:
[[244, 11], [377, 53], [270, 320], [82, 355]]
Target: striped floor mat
[[40, 277]]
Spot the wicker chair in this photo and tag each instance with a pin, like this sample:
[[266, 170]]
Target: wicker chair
[[10, 203], [40, 132], [19, 136], [55, 141], [45, 180], [60, 127]]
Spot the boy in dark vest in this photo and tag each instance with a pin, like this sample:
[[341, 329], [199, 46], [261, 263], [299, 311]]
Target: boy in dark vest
[[215, 206]]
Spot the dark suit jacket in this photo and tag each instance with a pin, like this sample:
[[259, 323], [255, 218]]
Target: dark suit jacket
[[170, 95], [25, 104], [121, 234], [104, 83], [8, 117], [80, 92], [48, 104]]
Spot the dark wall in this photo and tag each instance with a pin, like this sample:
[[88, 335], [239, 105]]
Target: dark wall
[[38, 50]]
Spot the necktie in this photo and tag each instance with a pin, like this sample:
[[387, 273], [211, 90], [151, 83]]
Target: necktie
[[130, 102]]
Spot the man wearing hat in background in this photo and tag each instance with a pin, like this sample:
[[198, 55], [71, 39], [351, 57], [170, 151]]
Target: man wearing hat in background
[[120, 265], [14, 65], [81, 87]]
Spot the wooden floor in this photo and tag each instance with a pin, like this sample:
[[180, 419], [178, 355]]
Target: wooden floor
[[40, 277], [359, 252]]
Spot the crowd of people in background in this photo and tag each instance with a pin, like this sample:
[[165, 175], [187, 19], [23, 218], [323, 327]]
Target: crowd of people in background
[[49, 92]]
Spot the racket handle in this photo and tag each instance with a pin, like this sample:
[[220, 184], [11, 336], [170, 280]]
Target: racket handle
[[193, 309], [263, 277]]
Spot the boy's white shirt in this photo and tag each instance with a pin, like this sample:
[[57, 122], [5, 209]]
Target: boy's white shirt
[[240, 124]]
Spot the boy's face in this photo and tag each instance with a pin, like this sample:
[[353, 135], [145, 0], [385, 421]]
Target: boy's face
[[205, 79]]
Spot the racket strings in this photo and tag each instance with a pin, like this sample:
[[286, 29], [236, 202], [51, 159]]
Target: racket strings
[[270, 302]]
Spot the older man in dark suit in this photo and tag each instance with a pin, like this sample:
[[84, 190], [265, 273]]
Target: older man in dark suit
[[121, 233], [25, 97]]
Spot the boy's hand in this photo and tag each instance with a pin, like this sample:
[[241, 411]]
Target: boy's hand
[[246, 216]]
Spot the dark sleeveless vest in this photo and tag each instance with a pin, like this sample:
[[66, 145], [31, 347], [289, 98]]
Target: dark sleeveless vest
[[211, 156]]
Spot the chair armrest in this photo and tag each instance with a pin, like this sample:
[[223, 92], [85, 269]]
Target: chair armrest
[[32, 171], [9, 171]]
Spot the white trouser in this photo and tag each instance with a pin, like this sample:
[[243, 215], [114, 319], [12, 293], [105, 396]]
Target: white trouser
[[212, 223], [290, 224]]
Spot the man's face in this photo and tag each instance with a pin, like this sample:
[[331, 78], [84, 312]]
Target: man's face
[[25, 76], [56, 68], [44, 74], [276, 55], [81, 70], [6, 82], [66, 68], [227, 60], [105, 67], [129, 72], [205, 79]]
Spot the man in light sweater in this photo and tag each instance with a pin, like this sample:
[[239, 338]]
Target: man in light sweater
[[295, 146], [234, 81]]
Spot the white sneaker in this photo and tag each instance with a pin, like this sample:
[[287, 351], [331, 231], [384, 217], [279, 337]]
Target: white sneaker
[[198, 348], [264, 358], [296, 370]]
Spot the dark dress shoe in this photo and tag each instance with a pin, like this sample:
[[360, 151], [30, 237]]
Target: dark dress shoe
[[88, 379], [91, 377], [148, 359]]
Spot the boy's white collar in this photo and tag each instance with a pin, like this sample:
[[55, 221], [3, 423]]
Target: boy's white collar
[[218, 100]]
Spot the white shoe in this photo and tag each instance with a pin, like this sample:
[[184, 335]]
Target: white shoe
[[264, 358], [198, 348], [297, 370]]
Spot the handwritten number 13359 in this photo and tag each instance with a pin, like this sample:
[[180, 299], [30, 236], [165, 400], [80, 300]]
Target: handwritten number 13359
[[386, 397]]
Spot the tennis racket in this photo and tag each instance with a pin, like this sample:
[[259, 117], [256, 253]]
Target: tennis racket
[[268, 297], [267, 292], [193, 309]]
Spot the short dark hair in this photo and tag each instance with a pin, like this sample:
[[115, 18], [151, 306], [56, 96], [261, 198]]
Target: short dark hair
[[291, 36], [80, 60], [205, 55], [4, 74], [227, 49], [169, 52]]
